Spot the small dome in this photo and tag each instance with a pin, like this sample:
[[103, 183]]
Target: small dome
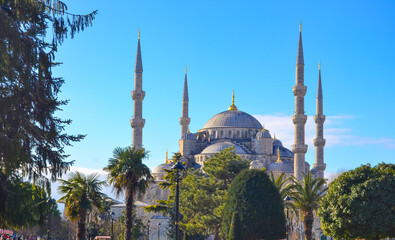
[[233, 119], [280, 167], [217, 147], [263, 134], [160, 168], [277, 142], [256, 164], [284, 152], [188, 136]]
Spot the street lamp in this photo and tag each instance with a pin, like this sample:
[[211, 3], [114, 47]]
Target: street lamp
[[177, 166], [148, 227], [112, 224], [158, 231], [286, 200]]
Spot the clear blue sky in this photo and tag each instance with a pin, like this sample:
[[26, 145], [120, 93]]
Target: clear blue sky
[[248, 46]]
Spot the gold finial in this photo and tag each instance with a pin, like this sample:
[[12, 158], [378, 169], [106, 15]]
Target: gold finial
[[263, 128], [278, 155], [188, 131], [167, 155], [185, 68], [300, 26], [319, 65], [274, 138], [233, 107], [139, 34]]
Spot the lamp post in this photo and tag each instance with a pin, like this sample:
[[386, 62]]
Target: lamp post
[[158, 231], [112, 224], [148, 227], [286, 200], [177, 166]]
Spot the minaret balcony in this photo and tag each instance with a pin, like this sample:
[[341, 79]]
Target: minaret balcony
[[299, 90], [319, 142], [319, 166], [185, 120], [138, 95], [319, 119], [137, 122], [299, 119], [299, 148]]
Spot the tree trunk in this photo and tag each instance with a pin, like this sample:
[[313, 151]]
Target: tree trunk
[[129, 212], [81, 225], [308, 220]]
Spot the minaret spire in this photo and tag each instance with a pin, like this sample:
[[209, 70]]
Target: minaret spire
[[299, 119], [137, 122], [319, 141], [185, 120]]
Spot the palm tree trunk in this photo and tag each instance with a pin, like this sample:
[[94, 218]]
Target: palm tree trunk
[[81, 225], [129, 212], [308, 219]]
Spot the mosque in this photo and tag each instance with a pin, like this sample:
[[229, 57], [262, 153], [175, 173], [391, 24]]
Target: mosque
[[238, 129]]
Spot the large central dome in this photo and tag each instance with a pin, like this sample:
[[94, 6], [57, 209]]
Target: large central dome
[[232, 119]]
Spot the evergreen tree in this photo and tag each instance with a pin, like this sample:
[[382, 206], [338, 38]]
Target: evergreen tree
[[235, 231], [259, 204], [32, 138]]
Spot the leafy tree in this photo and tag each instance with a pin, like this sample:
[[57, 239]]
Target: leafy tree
[[235, 231], [81, 193], [360, 204], [127, 173], [259, 204], [305, 197], [203, 195]]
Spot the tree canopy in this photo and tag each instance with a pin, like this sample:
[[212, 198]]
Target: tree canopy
[[360, 204], [259, 205]]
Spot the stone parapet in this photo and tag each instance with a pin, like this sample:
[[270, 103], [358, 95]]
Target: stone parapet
[[319, 119], [185, 120], [137, 122], [319, 166], [319, 142], [299, 148], [138, 95], [299, 90], [299, 119]]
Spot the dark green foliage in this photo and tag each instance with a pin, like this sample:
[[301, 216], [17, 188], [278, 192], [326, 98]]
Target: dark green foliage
[[360, 204], [235, 230], [32, 138], [25, 205], [259, 204], [203, 195]]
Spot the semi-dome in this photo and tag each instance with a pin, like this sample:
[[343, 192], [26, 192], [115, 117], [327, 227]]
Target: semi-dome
[[233, 119], [160, 168], [263, 134], [284, 152], [279, 167], [217, 147]]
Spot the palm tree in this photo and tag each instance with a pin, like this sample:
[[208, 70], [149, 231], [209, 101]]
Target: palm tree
[[80, 194], [127, 173], [305, 197]]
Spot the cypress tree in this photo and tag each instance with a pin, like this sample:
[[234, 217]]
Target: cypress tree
[[235, 231]]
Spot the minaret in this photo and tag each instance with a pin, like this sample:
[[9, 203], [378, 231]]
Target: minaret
[[319, 141], [137, 122], [184, 119], [299, 119]]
